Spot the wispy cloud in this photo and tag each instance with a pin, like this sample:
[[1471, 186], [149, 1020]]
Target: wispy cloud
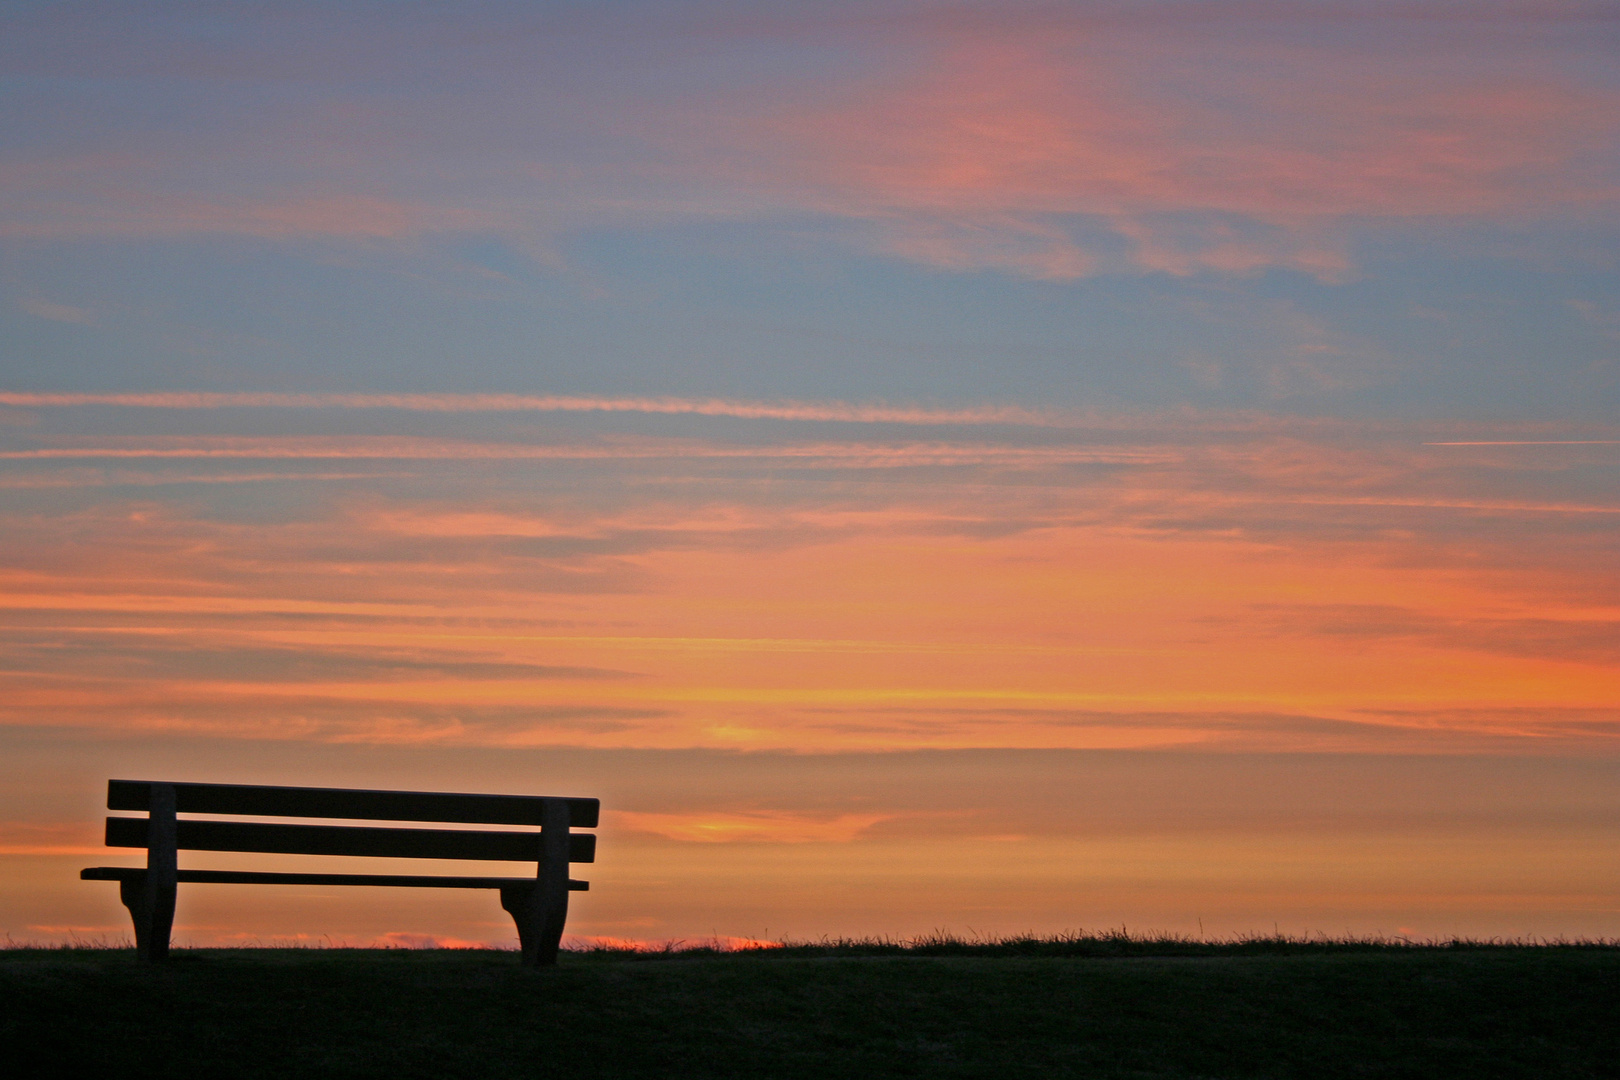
[[1528, 442], [48, 309], [49, 201], [1220, 582], [491, 403], [773, 827], [1044, 142], [92, 478], [1026, 149]]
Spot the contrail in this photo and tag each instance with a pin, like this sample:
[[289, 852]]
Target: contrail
[[750, 410], [857, 454], [1531, 442]]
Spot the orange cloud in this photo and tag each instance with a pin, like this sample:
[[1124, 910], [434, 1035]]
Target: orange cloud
[[36, 838], [1207, 582], [772, 827]]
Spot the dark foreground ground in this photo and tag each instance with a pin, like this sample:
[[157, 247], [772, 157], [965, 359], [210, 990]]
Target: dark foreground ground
[[1255, 1012]]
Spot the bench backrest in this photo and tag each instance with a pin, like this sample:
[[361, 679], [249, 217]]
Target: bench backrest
[[300, 839]]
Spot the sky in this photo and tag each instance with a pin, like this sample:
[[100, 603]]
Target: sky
[[985, 467]]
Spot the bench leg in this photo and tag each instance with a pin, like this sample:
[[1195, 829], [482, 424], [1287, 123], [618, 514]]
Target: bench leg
[[153, 900], [539, 919], [541, 909], [151, 907]]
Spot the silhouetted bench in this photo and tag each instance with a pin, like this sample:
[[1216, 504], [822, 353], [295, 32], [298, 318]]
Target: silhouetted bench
[[539, 905]]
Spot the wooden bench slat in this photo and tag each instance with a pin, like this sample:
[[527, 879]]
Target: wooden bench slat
[[254, 877], [359, 804], [356, 840]]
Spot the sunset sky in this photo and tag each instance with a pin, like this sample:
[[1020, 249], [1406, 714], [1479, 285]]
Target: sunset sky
[[982, 466]]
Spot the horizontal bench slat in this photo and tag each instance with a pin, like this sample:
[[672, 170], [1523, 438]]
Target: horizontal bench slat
[[248, 877], [350, 840], [357, 804]]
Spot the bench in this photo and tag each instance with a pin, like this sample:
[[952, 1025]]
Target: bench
[[538, 904]]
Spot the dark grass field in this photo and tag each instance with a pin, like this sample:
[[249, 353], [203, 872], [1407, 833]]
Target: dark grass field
[[1089, 1007]]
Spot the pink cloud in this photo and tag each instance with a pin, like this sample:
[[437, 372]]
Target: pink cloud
[[1049, 142], [1199, 155]]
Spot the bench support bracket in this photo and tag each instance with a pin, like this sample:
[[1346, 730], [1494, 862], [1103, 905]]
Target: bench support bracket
[[541, 909]]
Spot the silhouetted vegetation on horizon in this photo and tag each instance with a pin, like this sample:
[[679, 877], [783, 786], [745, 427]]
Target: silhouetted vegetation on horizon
[[1078, 943], [1087, 944]]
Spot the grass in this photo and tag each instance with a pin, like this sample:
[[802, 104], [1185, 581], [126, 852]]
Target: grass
[[1087, 1006]]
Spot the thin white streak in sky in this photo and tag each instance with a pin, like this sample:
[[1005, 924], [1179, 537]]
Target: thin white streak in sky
[[748, 410], [158, 480], [1532, 442], [422, 449]]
